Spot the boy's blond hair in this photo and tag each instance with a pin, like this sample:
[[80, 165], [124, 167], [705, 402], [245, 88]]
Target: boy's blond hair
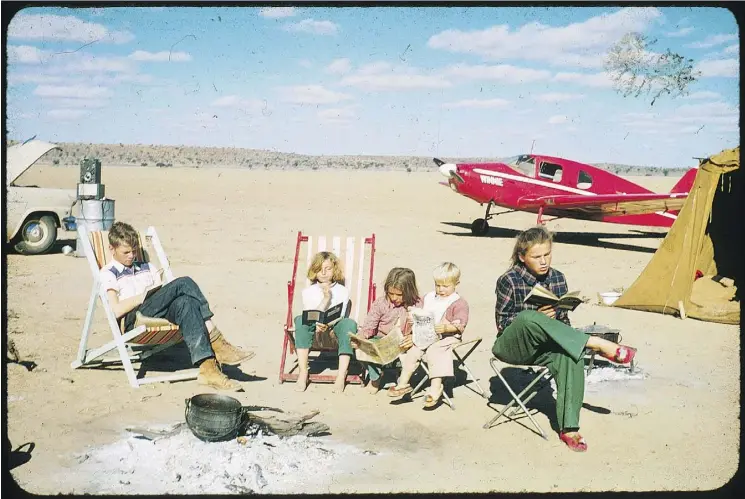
[[447, 272], [123, 233], [317, 262]]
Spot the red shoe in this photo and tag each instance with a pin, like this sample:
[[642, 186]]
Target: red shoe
[[576, 443], [624, 355]]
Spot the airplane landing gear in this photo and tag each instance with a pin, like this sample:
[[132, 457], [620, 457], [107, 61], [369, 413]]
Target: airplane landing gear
[[479, 227]]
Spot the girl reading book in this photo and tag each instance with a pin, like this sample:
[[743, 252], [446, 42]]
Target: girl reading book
[[528, 334], [450, 316], [389, 311], [326, 291]]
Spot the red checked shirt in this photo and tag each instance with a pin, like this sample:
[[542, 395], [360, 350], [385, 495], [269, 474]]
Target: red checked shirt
[[514, 286]]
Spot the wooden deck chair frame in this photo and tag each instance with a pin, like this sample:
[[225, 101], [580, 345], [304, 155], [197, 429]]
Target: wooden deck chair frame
[[353, 257], [138, 343], [519, 400], [460, 361]]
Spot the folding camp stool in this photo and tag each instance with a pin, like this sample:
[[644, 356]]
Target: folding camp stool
[[460, 362], [519, 400]]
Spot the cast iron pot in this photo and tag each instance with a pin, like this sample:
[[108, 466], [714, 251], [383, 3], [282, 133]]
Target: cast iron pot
[[212, 417]]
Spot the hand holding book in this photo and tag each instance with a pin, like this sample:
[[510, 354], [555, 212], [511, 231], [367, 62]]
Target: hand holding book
[[542, 297]]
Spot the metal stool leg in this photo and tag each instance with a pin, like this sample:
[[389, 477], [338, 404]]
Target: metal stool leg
[[516, 399], [463, 363]]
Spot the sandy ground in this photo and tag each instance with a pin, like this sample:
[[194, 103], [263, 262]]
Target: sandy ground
[[234, 231]]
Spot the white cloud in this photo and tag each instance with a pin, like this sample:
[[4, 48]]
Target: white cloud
[[501, 72], [579, 44], [100, 64], [72, 92], [163, 56], [687, 115], [80, 103], [732, 49], [378, 76], [26, 54], [277, 12], [306, 63], [596, 80], [477, 103], [67, 114], [557, 119], [702, 95], [311, 94], [721, 67], [239, 103], [339, 66], [313, 27], [554, 97], [50, 27], [711, 41], [681, 32], [337, 114]]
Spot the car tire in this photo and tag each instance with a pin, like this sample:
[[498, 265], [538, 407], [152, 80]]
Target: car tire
[[37, 235]]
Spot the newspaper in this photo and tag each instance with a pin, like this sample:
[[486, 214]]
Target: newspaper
[[423, 329], [382, 351]]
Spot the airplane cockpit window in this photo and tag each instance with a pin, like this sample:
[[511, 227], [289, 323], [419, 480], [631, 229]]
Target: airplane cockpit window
[[551, 171], [584, 181], [524, 164]]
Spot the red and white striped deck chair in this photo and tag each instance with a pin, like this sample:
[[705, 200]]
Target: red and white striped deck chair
[[357, 255], [140, 342]]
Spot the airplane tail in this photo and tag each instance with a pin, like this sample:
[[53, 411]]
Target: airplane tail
[[686, 182]]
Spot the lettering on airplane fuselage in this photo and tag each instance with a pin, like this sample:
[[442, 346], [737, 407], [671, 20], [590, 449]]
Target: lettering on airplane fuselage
[[486, 179]]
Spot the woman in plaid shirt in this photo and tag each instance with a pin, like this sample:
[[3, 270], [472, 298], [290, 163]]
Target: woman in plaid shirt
[[527, 335]]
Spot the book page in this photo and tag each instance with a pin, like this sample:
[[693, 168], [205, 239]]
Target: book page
[[382, 351], [423, 329]]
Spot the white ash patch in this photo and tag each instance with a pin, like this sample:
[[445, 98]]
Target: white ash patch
[[183, 464]]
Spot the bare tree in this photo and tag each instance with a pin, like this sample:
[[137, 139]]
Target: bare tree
[[636, 70]]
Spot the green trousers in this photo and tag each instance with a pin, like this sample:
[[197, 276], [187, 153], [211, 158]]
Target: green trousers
[[535, 339], [342, 330]]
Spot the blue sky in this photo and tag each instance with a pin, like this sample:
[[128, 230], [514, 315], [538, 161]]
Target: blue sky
[[439, 81]]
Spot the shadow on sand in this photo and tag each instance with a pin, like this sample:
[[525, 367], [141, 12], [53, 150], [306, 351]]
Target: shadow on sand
[[576, 238]]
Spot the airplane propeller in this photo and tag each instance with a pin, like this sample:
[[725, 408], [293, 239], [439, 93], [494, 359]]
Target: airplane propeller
[[448, 170]]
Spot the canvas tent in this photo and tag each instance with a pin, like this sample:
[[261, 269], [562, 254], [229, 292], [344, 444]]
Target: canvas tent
[[684, 275]]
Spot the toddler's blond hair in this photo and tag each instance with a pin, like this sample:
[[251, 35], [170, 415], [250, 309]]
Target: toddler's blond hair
[[447, 272]]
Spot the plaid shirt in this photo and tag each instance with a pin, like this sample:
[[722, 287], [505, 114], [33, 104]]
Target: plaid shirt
[[515, 284]]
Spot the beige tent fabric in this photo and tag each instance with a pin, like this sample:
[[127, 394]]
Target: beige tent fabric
[[668, 284]]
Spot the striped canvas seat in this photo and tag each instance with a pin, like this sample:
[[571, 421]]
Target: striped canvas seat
[[141, 341], [357, 256], [161, 331]]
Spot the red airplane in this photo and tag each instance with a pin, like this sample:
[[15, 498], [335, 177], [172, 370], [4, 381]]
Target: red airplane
[[563, 188]]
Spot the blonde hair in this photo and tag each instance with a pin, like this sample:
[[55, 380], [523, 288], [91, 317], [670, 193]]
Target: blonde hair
[[527, 239], [317, 262], [123, 233], [405, 280], [446, 272]]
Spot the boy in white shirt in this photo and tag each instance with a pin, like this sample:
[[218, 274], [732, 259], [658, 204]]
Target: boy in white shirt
[[180, 301]]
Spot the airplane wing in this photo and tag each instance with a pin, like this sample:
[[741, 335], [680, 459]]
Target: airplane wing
[[607, 204]]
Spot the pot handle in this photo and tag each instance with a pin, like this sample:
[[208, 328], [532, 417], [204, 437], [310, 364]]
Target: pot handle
[[187, 406]]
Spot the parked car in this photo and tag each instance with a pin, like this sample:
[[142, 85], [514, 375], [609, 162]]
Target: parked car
[[34, 213]]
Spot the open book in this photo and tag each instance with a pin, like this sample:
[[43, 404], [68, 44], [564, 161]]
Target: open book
[[330, 316], [423, 329], [540, 296], [382, 351]]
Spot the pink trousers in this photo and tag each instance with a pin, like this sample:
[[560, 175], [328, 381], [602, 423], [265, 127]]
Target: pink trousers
[[439, 358]]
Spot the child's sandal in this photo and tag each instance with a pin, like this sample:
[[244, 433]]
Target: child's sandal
[[394, 391], [623, 355], [576, 443]]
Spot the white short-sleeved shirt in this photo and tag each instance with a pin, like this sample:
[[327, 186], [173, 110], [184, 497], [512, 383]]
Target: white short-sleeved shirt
[[313, 295], [128, 281]]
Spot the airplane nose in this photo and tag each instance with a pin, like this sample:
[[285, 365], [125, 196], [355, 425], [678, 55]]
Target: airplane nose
[[446, 169]]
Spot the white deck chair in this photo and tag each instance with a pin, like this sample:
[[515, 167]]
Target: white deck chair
[[140, 342], [358, 273]]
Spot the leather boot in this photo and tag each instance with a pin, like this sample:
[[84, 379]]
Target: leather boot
[[211, 375], [225, 353]]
